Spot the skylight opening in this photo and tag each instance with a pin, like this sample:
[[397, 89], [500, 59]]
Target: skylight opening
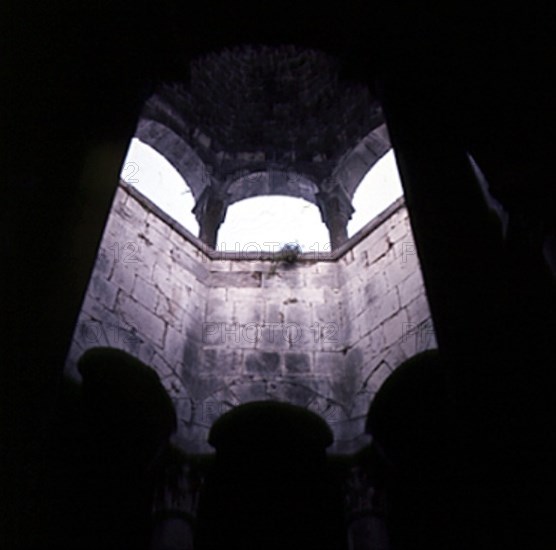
[[267, 223], [380, 187], [151, 174]]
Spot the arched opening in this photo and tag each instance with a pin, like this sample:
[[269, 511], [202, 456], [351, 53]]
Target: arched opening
[[150, 173], [380, 187], [318, 333], [267, 223]]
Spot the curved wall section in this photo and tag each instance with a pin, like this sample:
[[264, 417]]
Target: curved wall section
[[322, 333]]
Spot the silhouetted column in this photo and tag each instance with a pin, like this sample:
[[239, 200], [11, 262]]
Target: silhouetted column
[[176, 507], [336, 210], [210, 212], [366, 528], [269, 487], [68, 139]]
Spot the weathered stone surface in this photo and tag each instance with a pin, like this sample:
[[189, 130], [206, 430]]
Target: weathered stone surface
[[347, 382], [297, 363], [394, 328], [262, 362], [190, 264], [328, 362], [411, 288], [220, 360], [145, 293], [418, 309], [235, 279], [147, 323], [273, 336], [320, 334], [123, 277], [103, 290], [248, 311], [248, 390]]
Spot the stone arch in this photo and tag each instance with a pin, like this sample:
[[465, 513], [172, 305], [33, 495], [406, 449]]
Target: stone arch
[[272, 182], [353, 167], [163, 139]]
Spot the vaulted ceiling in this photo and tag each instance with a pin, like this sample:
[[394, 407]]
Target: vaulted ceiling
[[261, 109]]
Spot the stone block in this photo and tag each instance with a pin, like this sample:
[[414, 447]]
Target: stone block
[[282, 277], [297, 363], [326, 313], [302, 337], [262, 363], [145, 293], [296, 313], [189, 263], [375, 248], [328, 363], [347, 382], [334, 336], [274, 312], [155, 223], [246, 265], [418, 310], [248, 312], [174, 346], [409, 289], [400, 231], [103, 290], [250, 390], [151, 238], [235, 279], [371, 344], [328, 279], [404, 264], [273, 336], [162, 367], [104, 263], [133, 210], [236, 294], [418, 337], [220, 361], [327, 409], [169, 285], [170, 312], [118, 230], [394, 328], [219, 311], [123, 277], [378, 312], [305, 296], [252, 335], [378, 375], [147, 323], [294, 390]]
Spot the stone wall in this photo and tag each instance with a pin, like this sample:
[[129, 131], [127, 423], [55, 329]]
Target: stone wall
[[323, 332]]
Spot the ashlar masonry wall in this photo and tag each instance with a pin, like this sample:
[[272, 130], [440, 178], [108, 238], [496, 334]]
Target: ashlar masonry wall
[[223, 329]]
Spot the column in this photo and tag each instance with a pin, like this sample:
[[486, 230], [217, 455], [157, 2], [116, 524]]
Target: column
[[336, 210]]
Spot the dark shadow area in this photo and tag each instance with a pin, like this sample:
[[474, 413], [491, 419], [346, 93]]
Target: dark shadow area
[[111, 437], [453, 80], [437, 491]]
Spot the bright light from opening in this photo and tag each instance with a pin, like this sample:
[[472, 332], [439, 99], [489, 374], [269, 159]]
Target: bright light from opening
[[267, 223], [149, 172], [380, 187]]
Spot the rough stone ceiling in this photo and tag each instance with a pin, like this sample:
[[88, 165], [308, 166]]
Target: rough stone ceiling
[[259, 108]]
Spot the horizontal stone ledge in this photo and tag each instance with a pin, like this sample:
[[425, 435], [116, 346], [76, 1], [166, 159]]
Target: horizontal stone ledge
[[260, 255], [232, 279]]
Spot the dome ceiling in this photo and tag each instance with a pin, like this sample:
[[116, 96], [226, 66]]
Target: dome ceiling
[[252, 109]]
